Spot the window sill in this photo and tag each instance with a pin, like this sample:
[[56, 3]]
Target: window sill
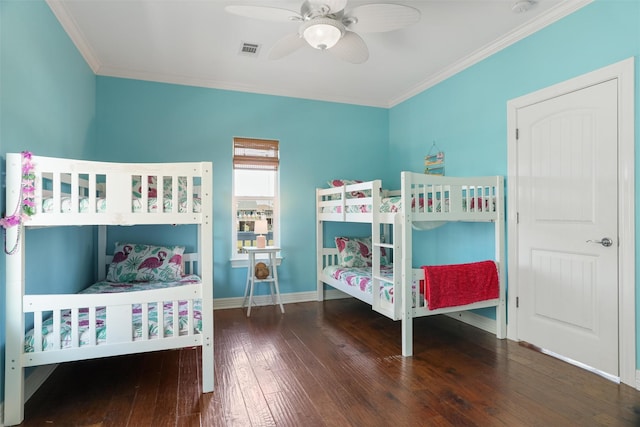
[[244, 261]]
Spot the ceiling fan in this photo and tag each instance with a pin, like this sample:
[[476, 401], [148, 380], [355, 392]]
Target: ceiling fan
[[327, 25]]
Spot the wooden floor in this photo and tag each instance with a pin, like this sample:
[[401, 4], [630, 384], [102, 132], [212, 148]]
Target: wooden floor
[[334, 364]]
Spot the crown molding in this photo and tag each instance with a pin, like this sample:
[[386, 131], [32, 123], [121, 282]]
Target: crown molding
[[543, 20], [551, 16], [222, 85], [73, 31]]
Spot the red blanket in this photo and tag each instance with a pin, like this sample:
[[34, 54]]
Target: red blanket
[[460, 284]]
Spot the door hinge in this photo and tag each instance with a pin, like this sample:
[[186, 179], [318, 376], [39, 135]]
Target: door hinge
[[517, 302], [517, 217], [517, 133]]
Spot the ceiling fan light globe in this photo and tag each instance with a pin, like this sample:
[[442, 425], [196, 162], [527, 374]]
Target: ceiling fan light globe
[[322, 33]]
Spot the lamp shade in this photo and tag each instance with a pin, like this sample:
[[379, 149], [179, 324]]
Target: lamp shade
[[261, 227], [323, 33]]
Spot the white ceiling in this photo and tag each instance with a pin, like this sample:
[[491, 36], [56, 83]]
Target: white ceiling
[[195, 42]]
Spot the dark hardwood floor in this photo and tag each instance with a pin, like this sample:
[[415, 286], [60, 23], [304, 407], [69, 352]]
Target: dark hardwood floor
[[335, 363]]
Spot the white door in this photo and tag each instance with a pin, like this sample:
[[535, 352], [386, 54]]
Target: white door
[[567, 216]]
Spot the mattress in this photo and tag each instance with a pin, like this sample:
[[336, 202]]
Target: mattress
[[394, 204], [360, 278], [387, 205], [48, 205], [101, 326]]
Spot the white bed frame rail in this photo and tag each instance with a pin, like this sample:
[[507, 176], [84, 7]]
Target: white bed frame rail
[[58, 178], [119, 319], [393, 311], [327, 199], [468, 199]]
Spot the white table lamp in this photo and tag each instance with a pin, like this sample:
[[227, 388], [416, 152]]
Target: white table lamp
[[261, 228]]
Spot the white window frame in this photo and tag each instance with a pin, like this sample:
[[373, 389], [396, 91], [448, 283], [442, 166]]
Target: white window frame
[[240, 259]]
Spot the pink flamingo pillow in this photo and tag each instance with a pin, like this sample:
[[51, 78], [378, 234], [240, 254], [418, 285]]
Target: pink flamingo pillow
[[145, 263], [356, 252]]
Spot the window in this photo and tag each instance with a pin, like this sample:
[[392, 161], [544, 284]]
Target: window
[[255, 191]]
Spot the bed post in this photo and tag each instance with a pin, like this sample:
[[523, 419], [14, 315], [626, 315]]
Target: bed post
[[205, 249], [501, 309], [376, 246], [319, 251], [14, 341], [14, 319], [406, 268]]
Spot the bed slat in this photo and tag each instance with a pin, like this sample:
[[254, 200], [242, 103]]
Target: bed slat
[[92, 326], [144, 192], [144, 312], [175, 321], [75, 338], [160, 308], [37, 332], [56, 329], [190, 314], [119, 321], [92, 192]]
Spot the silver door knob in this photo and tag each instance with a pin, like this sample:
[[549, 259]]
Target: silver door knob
[[606, 241]]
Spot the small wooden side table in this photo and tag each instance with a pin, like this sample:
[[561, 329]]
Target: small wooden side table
[[272, 279]]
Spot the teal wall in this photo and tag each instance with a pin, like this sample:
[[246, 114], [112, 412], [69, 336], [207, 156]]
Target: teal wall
[[319, 141], [52, 104], [47, 106], [466, 114]]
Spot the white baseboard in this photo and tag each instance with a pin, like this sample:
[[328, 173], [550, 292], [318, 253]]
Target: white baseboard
[[473, 319], [637, 380], [288, 298], [470, 318]]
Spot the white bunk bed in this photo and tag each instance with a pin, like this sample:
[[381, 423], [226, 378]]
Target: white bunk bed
[[423, 202], [77, 192]]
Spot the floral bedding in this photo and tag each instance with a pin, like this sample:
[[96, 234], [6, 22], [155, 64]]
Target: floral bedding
[[101, 205], [360, 277], [394, 204], [101, 327], [388, 205]]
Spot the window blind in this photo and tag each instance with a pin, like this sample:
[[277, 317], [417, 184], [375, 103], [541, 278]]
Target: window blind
[[255, 154]]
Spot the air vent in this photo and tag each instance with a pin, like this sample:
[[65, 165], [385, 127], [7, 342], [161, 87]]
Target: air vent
[[249, 49]]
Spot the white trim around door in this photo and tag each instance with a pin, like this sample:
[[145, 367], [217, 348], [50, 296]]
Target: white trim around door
[[624, 72]]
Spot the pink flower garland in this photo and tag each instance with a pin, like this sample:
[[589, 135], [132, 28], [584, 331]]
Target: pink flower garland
[[27, 191]]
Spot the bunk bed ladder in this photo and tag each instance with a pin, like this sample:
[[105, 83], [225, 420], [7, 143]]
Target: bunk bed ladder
[[377, 281], [386, 242], [398, 255]]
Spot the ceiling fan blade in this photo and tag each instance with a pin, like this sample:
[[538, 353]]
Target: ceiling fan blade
[[264, 12], [286, 46], [380, 18], [331, 6], [351, 48], [335, 6]]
